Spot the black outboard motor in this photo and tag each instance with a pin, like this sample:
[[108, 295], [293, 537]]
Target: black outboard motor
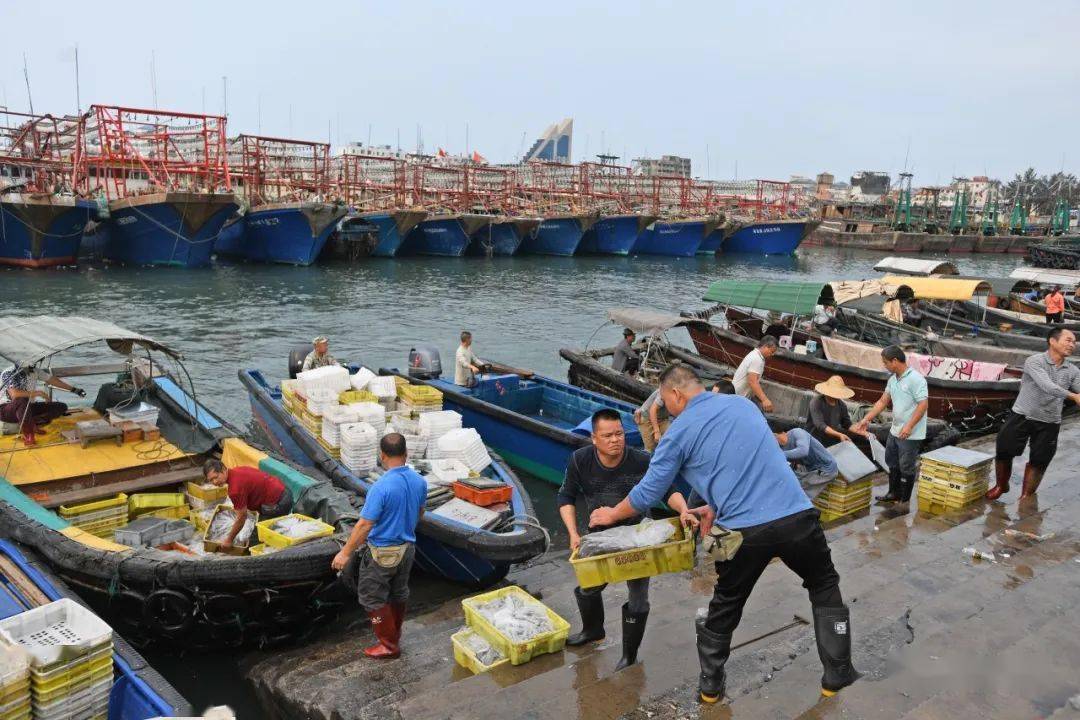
[[424, 362], [296, 359]]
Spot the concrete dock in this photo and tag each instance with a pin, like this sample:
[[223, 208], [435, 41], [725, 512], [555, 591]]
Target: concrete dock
[[937, 633]]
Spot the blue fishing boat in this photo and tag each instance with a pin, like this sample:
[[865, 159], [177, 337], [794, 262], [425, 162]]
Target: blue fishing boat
[[443, 235], [780, 237], [292, 233], [138, 692], [42, 230], [674, 238], [502, 237], [230, 241], [390, 228], [534, 422], [166, 228], [445, 547], [558, 235], [614, 234]]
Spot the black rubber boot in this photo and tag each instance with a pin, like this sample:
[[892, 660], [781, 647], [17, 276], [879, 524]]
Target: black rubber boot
[[907, 485], [633, 630], [832, 627], [895, 485], [713, 650], [591, 607]]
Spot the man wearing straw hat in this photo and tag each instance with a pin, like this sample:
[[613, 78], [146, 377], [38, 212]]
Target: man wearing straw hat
[[320, 355], [828, 419]]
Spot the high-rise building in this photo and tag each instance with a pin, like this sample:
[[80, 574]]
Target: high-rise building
[[555, 144], [669, 165]]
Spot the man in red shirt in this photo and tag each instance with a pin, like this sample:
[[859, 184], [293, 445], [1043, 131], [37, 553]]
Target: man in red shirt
[[249, 488]]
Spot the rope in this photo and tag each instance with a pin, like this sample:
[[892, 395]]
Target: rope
[[3, 226], [530, 521]]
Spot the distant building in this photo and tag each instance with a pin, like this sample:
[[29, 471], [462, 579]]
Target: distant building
[[555, 144], [824, 186], [869, 185], [664, 165]]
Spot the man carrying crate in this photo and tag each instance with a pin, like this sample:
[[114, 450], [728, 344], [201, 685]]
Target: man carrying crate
[[600, 475], [721, 445], [385, 536]]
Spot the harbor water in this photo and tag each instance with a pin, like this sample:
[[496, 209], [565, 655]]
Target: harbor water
[[521, 310]]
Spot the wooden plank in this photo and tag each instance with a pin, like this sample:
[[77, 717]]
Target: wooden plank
[[24, 584], [84, 370], [127, 486]]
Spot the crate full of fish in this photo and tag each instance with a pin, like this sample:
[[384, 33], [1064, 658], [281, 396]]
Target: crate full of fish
[[516, 624], [289, 530], [218, 528], [473, 652], [630, 552]]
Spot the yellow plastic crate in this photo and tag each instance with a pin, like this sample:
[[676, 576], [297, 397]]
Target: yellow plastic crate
[[257, 549], [11, 691], [951, 492], [674, 556], [274, 539], [827, 516], [466, 658], [517, 653], [84, 677], [954, 473], [141, 503], [176, 512], [355, 396], [67, 511], [208, 492], [839, 490], [419, 394]]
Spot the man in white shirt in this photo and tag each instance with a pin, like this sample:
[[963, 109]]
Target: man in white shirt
[[825, 317], [466, 364], [747, 379]]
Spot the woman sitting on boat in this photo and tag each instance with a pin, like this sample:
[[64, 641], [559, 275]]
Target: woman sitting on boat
[[17, 394]]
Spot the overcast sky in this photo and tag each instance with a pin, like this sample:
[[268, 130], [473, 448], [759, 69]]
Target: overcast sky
[[772, 87]]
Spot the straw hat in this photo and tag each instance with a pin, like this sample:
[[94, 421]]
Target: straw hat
[[834, 387]]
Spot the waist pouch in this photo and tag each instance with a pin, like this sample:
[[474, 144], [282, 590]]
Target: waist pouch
[[721, 544], [389, 556]]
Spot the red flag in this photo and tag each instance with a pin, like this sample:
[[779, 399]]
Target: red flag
[[441, 153], [478, 158]]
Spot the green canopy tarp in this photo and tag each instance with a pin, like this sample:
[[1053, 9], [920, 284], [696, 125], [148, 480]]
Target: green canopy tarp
[[798, 298]]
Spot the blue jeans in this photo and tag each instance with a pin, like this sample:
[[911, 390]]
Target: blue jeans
[[902, 457]]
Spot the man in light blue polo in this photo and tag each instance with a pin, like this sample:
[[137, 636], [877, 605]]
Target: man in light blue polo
[[721, 445], [910, 398]]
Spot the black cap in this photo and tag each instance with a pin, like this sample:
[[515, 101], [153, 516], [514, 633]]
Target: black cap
[[627, 332]]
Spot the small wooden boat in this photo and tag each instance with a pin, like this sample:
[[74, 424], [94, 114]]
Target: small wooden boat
[[915, 266], [534, 422], [138, 693], [445, 547], [182, 597]]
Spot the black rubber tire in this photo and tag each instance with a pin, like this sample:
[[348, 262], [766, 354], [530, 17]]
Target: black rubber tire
[[168, 612]]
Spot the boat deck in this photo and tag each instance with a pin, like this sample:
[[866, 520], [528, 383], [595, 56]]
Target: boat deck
[[57, 458], [936, 633]]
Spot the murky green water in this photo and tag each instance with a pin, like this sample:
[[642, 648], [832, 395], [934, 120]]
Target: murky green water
[[520, 310]]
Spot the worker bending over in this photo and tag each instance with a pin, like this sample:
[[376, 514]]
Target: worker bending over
[[813, 464], [602, 475], [385, 536], [721, 445], [249, 489], [17, 405]]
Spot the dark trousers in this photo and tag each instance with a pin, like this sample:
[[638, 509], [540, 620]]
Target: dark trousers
[[799, 542], [376, 585], [902, 457], [282, 507], [1058, 317], [39, 413], [638, 601]]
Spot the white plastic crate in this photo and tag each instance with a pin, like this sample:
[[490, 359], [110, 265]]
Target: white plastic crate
[[59, 632], [383, 386], [360, 380], [463, 444], [332, 377], [14, 665]]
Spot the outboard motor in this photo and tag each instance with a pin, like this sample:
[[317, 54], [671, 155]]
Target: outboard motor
[[296, 359], [424, 362]]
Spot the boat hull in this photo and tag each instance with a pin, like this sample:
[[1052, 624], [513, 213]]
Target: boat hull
[[768, 238], [176, 229], [672, 239], [559, 236], [294, 234], [713, 243], [441, 237], [391, 230], [612, 235], [43, 232], [501, 238]]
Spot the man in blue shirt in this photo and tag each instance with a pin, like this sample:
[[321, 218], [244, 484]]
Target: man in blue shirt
[[721, 445], [906, 390], [385, 536], [813, 464]]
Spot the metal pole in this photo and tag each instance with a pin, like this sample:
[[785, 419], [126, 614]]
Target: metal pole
[[26, 75], [78, 100]]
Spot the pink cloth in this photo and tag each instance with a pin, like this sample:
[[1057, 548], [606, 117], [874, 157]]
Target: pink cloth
[[946, 368]]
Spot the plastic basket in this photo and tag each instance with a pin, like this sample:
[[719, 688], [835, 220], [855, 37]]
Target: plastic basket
[[207, 492], [267, 535], [355, 396], [466, 658], [177, 512], [144, 502], [57, 633], [14, 670], [674, 556], [236, 548], [73, 681], [113, 513], [87, 702], [517, 653], [483, 498], [67, 511]]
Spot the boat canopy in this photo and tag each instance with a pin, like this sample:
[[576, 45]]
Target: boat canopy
[[916, 266], [933, 288], [26, 341], [798, 298], [848, 291], [644, 322], [1003, 287], [1065, 278]]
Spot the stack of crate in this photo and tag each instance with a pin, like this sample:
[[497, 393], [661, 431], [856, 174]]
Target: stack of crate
[[419, 398], [479, 632], [842, 499], [14, 682], [71, 659], [951, 478], [100, 517], [203, 501]]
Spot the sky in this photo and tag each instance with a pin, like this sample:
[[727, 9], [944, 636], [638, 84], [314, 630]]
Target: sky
[[745, 89]]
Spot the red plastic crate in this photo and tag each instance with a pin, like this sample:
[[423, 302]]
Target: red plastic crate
[[483, 498]]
